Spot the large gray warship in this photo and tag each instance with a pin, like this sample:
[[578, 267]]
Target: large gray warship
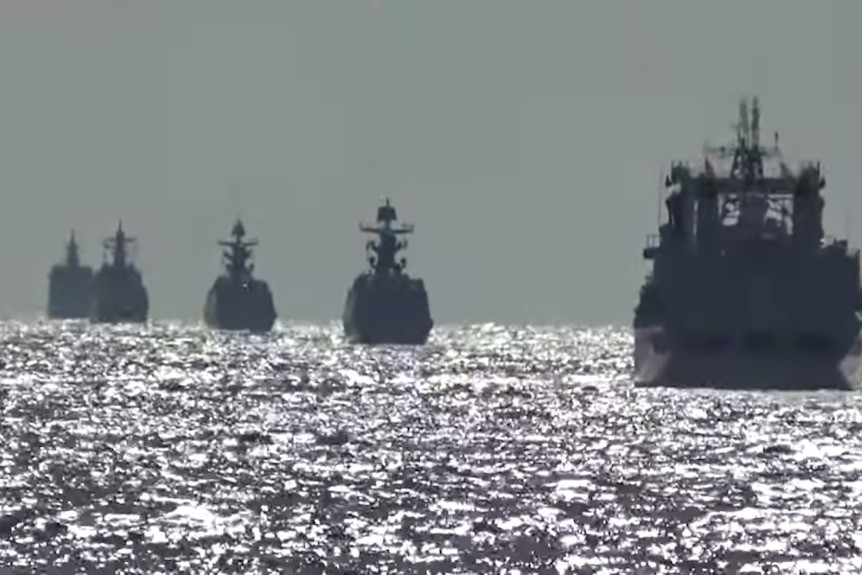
[[236, 300], [385, 305], [120, 295], [745, 289], [70, 286]]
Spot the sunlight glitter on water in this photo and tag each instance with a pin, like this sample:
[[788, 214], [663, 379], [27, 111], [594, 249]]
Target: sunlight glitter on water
[[174, 449]]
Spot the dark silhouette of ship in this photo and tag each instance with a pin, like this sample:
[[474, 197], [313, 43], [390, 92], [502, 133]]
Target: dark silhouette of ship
[[745, 290], [385, 305], [70, 286], [120, 295], [236, 300]]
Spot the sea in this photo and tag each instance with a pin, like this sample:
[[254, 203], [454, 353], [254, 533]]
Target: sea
[[170, 448]]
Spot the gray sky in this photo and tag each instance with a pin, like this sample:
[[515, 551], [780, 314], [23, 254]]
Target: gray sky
[[524, 139]]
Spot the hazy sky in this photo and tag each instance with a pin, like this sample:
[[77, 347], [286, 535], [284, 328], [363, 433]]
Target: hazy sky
[[525, 139]]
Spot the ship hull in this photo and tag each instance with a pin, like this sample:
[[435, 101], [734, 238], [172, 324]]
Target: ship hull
[[387, 311], [119, 297], [236, 306], [659, 362], [70, 293]]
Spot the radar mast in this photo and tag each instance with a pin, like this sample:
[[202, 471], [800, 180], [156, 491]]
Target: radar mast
[[73, 259], [387, 245], [237, 256], [118, 246]]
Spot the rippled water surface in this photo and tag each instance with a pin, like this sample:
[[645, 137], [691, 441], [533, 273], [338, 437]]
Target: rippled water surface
[[177, 450]]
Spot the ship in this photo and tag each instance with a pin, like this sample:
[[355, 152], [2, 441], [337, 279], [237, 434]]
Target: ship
[[745, 291], [384, 304], [120, 295], [237, 300], [70, 286]]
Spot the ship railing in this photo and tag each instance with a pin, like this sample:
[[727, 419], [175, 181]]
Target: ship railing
[[768, 185]]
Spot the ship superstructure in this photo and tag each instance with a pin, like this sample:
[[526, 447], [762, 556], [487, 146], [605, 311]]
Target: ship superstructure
[[70, 285], [237, 300], [384, 304], [745, 290], [120, 294]]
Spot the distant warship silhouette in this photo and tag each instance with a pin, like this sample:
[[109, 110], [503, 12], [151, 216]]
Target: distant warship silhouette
[[120, 295], [236, 300], [385, 305], [745, 291], [70, 286]]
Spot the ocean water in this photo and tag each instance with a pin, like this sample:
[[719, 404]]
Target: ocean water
[[173, 449]]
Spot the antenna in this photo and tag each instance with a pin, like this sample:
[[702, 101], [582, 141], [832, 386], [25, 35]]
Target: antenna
[[754, 129], [741, 125]]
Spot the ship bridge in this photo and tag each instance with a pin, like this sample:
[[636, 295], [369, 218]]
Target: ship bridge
[[742, 192]]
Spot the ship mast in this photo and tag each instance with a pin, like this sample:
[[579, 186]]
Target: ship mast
[[238, 255], [387, 245], [748, 153], [118, 246], [72, 253], [738, 199]]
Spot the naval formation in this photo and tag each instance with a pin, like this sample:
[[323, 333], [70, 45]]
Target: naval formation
[[744, 291], [384, 305]]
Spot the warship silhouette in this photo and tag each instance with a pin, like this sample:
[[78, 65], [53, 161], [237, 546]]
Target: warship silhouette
[[120, 295], [236, 300], [70, 286], [384, 305], [745, 290]]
